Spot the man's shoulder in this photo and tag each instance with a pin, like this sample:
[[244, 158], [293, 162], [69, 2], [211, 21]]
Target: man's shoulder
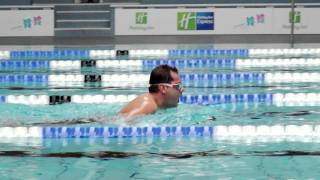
[[143, 104], [145, 97]]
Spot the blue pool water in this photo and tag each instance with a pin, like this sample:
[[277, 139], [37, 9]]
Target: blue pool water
[[236, 157]]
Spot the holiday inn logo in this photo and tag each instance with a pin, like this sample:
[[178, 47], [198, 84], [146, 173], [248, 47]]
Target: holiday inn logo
[[140, 22], [190, 21], [296, 17], [186, 21], [141, 18]]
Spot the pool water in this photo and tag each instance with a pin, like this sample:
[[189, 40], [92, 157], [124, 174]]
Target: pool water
[[160, 157]]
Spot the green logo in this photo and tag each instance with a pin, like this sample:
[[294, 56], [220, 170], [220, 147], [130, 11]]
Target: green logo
[[141, 18], [186, 21], [296, 17]]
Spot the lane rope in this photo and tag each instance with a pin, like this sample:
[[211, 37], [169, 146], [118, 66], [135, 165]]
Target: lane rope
[[162, 131]]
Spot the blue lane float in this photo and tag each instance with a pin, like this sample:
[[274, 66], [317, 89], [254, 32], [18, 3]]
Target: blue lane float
[[2, 99], [112, 132], [81, 54], [146, 63], [277, 99], [209, 52], [20, 64], [189, 80], [223, 77], [100, 99], [190, 63], [229, 132], [226, 98], [23, 78], [185, 78], [55, 54], [151, 63]]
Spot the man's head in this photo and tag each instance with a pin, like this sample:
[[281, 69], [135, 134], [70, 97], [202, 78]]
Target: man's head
[[165, 80]]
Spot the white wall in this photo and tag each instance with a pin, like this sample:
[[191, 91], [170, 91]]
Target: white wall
[[225, 21]]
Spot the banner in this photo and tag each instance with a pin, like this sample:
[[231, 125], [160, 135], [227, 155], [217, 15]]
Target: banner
[[182, 21], [163, 21], [26, 23], [244, 21], [304, 21]]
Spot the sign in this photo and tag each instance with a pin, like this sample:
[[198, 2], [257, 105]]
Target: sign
[[141, 17], [164, 21], [192, 21], [26, 23], [244, 21], [304, 21]]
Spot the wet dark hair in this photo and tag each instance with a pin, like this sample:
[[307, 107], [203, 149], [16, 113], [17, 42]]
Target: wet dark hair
[[160, 74]]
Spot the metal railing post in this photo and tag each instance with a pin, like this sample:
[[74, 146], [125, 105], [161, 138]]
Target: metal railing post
[[292, 14]]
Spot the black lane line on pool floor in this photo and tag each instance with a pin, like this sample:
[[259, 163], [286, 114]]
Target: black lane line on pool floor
[[113, 154], [283, 114], [103, 120]]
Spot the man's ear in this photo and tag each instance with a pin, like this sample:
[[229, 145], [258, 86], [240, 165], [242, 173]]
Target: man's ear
[[162, 89]]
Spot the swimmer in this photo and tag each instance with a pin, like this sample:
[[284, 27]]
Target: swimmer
[[165, 90]]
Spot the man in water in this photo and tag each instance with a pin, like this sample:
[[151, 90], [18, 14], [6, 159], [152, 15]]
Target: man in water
[[164, 91]]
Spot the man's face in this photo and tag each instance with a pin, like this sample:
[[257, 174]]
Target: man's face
[[173, 92]]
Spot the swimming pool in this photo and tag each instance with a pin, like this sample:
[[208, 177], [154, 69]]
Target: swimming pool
[[245, 114]]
